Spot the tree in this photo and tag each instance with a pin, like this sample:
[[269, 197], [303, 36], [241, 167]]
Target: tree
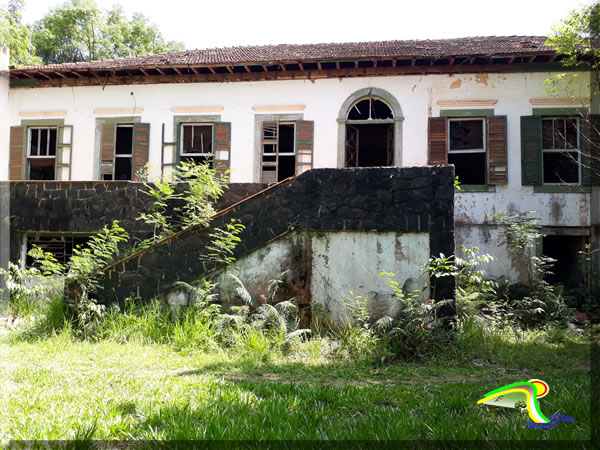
[[79, 31], [17, 36], [134, 37], [577, 40], [70, 33]]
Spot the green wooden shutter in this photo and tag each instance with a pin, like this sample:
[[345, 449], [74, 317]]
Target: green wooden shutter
[[222, 146], [531, 150], [589, 142], [496, 150], [141, 149], [64, 152], [305, 133], [108, 135], [438, 141], [16, 165]]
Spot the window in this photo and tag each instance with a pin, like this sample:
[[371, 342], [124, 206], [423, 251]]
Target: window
[[117, 159], [196, 142], [41, 153], [124, 149], [560, 150], [60, 246], [123, 152], [467, 150], [476, 146], [370, 134], [278, 151]]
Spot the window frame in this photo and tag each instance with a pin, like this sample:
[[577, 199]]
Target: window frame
[[30, 157], [484, 150], [577, 150], [182, 125], [276, 144], [37, 237], [123, 155], [29, 141]]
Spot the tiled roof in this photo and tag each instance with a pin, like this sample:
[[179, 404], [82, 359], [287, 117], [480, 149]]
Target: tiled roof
[[438, 48]]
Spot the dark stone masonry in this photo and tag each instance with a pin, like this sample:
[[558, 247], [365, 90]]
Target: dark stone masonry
[[416, 199], [86, 206]]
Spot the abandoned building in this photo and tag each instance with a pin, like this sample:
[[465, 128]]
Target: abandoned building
[[74, 136]]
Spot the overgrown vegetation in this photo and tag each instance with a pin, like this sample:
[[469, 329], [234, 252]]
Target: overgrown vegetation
[[498, 331]]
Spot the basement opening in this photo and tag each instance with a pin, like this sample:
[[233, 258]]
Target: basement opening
[[370, 134], [566, 270], [59, 245]]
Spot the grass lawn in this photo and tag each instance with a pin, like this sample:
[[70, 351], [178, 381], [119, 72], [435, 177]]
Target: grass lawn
[[64, 388]]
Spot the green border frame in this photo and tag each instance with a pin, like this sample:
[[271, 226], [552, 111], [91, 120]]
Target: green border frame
[[398, 120], [559, 111], [98, 137], [476, 188], [466, 112], [557, 188], [474, 113], [32, 123], [178, 120], [258, 121]]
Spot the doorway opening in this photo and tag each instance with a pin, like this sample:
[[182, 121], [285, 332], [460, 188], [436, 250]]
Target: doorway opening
[[564, 249], [369, 134]]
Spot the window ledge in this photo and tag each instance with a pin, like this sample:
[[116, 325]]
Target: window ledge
[[561, 188], [477, 188]]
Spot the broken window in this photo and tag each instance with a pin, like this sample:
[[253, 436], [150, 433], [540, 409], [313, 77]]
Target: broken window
[[122, 167], [370, 134], [60, 246], [278, 151], [196, 142], [41, 153], [467, 151], [560, 150], [370, 109], [123, 152]]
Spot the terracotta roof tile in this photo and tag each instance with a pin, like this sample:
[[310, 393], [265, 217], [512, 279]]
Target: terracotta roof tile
[[438, 48]]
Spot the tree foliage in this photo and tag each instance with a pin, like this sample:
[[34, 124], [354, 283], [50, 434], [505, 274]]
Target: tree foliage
[[78, 30], [16, 35], [577, 39]]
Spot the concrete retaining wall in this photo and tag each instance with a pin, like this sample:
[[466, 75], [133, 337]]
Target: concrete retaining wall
[[378, 217]]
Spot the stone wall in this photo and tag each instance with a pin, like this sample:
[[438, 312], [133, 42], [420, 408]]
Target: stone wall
[[86, 206], [402, 200]]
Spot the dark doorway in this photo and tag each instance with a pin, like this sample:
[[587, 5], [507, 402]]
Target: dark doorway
[[370, 145], [566, 270]]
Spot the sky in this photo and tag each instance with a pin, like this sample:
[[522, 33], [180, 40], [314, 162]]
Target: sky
[[225, 23]]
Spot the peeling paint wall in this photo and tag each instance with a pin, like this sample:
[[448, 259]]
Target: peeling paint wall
[[4, 92], [282, 259], [419, 97], [346, 265], [333, 269]]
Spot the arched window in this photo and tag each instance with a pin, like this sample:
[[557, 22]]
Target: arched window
[[370, 109], [370, 129]]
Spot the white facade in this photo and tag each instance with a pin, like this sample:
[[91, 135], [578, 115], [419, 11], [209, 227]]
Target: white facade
[[419, 96]]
